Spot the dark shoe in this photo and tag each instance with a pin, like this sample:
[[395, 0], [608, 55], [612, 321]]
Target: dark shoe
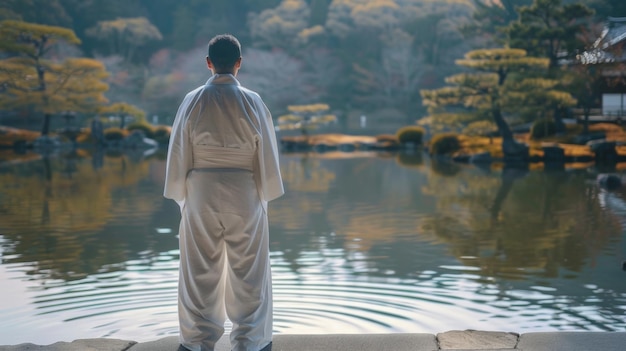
[[182, 348], [268, 347]]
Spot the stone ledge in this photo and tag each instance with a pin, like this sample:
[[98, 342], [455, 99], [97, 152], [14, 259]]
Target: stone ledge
[[477, 340], [468, 340], [76, 345], [347, 342]]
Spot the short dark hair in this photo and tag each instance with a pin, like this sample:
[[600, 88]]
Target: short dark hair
[[224, 51]]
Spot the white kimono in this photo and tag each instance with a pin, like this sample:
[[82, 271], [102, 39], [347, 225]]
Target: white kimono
[[222, 169]]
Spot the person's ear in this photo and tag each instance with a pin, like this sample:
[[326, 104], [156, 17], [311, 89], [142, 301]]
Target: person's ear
[[237, 66], [209, 63]]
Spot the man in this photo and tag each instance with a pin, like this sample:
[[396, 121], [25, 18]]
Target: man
[[222, 169]]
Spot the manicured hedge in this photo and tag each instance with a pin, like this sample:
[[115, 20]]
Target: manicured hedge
[[445, 144], [411, 134], [542, 128]]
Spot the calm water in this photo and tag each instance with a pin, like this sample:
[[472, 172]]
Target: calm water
[[360, 243]]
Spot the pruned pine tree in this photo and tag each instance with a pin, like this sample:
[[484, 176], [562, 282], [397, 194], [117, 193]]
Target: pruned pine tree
[[305, 118], [30, 79], [502, 84], [549, 28], [123, 110]]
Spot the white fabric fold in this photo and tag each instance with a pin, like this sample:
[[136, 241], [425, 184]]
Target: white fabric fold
[[222, 157]]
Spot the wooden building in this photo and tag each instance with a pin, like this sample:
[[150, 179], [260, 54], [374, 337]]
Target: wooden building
[[609, 54]]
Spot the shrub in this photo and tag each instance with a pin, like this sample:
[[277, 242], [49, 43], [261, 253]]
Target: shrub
[[161, 135], [146, 128], [114, 134], [411, 134], [574, 128], [444, 144], [542, 128]]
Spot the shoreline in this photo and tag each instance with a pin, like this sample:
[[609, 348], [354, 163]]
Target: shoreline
[[473, 340]]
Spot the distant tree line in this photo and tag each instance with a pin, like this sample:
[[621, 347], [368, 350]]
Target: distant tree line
[[350, 54]]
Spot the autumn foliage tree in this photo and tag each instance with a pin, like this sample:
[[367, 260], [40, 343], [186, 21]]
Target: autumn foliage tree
[[285, 26], [124, 36], [31, 79]]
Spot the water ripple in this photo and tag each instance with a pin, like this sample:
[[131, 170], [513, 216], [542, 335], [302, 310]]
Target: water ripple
[[321, 296]]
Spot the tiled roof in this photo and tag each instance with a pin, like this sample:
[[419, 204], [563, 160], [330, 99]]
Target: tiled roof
[[614, 33]]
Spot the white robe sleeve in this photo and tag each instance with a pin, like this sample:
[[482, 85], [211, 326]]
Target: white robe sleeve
[[269, 180], [179, 156]]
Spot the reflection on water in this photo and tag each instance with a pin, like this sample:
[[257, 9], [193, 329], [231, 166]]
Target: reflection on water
[[367, 243]]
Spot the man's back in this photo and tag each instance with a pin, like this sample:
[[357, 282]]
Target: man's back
[[223, 125], [222, 114]]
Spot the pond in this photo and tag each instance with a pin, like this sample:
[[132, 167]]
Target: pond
[[360, 243]]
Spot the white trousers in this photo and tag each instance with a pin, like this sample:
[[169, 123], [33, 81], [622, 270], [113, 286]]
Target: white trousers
[[224, 262]]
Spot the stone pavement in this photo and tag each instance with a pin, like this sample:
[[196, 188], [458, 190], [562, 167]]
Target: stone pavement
[[467, 340]]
